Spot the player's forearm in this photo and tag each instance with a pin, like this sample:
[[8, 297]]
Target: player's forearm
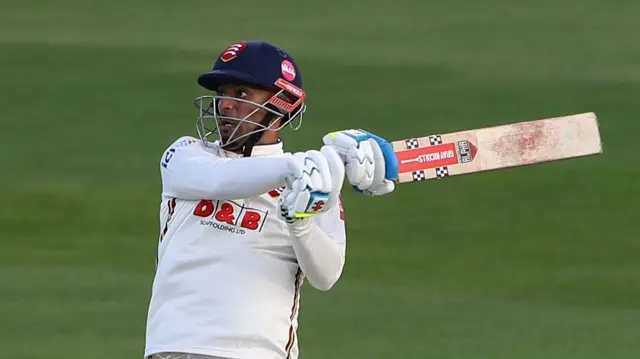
[[197, 178], [320, 258]]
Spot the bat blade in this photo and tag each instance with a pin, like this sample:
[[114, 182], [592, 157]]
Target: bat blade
[[498, 147]]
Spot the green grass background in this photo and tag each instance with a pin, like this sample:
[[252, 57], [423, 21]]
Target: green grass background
[[537, 262]]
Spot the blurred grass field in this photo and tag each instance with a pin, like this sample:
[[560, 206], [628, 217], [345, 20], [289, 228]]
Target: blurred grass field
[[537, 262]]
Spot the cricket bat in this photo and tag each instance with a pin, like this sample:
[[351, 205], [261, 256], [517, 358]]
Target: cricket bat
[[492, 148]]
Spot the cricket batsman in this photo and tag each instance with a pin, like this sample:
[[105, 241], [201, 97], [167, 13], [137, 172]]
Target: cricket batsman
[[243, 223]]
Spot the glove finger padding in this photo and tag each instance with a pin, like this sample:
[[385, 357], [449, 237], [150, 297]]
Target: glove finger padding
[[337, 170], [287, 204], [341, 143], [358, 157], [360, 166], [380, 185], [308, 185], [299, 201], [294, 197], [379, 163], [386, 188], [296, 168], [321, 176]]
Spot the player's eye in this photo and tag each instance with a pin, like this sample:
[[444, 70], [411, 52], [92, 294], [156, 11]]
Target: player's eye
[[239, 92]]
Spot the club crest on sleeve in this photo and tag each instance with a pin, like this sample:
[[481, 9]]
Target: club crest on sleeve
[[233, 51], [275, 193], [186, 142]]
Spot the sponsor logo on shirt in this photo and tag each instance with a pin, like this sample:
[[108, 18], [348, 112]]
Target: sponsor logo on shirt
[[230, 216]]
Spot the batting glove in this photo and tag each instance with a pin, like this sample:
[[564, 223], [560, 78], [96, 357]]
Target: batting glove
[[313, 183], [371, 164]]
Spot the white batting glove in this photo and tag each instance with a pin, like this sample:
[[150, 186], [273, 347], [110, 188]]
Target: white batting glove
[[313, 184], [371, 164]]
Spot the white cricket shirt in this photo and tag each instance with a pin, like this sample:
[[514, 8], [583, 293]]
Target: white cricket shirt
[[229, 270]]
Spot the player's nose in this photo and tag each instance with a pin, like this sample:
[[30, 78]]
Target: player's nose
[[227, 106]]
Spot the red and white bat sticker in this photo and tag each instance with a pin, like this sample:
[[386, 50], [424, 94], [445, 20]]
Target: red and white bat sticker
[[446, 154]]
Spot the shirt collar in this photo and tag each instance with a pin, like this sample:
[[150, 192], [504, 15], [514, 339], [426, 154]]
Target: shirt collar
[[274, 149]]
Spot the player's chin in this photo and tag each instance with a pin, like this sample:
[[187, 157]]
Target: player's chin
[[226, 135], [232, 143]]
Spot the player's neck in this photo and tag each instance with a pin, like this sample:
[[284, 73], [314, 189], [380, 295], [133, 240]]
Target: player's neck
[[269, 138], [264, 141]]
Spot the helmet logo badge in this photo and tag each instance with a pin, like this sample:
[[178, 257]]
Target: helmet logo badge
[[288, 70], [232, 51]]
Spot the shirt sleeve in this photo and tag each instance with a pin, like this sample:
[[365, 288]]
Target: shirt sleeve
[[191, 172], [320, 246]]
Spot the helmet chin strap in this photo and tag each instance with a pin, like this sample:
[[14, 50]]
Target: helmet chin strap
[[255, 137]]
